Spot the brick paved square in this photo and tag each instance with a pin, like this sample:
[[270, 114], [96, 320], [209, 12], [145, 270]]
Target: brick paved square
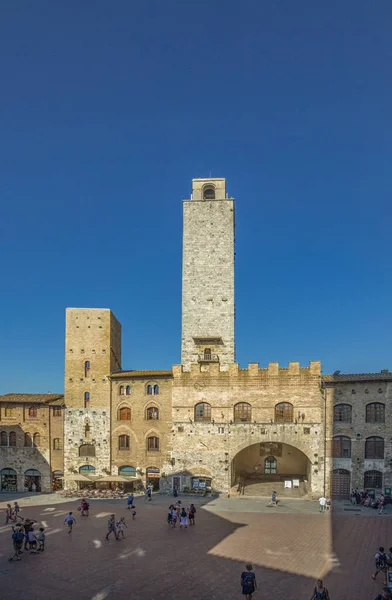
[[288, 551]]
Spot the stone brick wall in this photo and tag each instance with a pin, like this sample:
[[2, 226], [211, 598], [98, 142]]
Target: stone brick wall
[[358, 394], [212, 446], [208, 275], [139, 428]]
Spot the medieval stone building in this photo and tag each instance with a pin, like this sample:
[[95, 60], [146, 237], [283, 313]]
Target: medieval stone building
[[207, 423]]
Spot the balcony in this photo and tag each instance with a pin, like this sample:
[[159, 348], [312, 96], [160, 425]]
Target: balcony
[[208, 358]]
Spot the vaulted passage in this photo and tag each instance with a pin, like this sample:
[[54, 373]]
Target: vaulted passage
[[262, 468]]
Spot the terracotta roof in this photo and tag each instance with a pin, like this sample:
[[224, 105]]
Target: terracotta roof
[[33, 398], [119, 374], [343, 377]]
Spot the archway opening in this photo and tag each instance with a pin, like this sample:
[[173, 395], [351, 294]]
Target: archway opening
[[262, 468]]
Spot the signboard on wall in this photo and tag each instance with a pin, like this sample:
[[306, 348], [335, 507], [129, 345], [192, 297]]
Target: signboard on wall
[[195, 483], [296, 483], [287, 483]]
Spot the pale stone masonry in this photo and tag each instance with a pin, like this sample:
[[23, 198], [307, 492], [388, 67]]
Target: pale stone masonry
[[205, 424], [208, 274]]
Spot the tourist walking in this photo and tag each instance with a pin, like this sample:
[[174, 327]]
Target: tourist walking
[[381, 504], [274, 499], [17, 541], [322, 503], [149, 494], [121, 525], [69, 520], [191, 514], [27, 524], [248, 582], [320, 592], [84, 508], [169, 515], [41, 539], [130, 500], [16, 511], [133, 511], [174, 516], [112, 527], [9, 514], [183, 519], [380, 561], [32, 541]]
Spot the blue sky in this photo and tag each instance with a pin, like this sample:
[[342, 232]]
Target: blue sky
[[108, 110]]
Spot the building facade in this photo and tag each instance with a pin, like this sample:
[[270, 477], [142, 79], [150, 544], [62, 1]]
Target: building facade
[[206, 424]]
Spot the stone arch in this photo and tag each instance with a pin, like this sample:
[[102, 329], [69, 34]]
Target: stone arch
[[153, 431], [123, 429], [151, 401], [282, 439]]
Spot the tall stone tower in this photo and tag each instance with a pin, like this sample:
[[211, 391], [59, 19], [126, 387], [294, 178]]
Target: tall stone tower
[[208, 275], [92, 352]]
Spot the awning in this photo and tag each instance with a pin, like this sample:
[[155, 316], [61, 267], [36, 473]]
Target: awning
[[116, 478], [79, 478]]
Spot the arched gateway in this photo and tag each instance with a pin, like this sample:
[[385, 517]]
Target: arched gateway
[[260, 468]]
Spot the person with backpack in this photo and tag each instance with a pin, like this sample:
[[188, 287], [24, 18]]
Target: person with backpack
[[381, 562], [320, 592], [248, 582], [17, 540]]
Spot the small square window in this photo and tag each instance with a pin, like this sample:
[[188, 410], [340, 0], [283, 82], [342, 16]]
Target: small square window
[[221, 430], [180, 429], [306, 430]]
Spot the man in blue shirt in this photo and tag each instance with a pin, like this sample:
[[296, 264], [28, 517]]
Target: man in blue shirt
[[17, 540]]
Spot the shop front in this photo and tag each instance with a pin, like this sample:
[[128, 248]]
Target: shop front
[[32, 481], [153, 478], [57, 480], [8, 480]]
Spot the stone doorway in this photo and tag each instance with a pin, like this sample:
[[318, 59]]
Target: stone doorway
[[262, 468]]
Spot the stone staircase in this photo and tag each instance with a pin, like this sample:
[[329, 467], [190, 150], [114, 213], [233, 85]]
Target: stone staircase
[[264, 489]]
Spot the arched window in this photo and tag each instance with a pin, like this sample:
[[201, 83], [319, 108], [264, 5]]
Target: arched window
[[128, 390], [124, 414], [33, 411], [153, 444], [342, 413], [341, 447], [87, 470], [375, 412], [284, 412], [57, 444], [207, 353], [32, 473], [242, 412], [28, 442], [121, 390], [152, 390], [127, 471], [87, 368], [374, 447], [123, 442], [3, 438], [86, 399], [270, 465], [203, 412], [372, 479], [36, 440], [87, 450], [12, 439], [152, 413], [209, 192]]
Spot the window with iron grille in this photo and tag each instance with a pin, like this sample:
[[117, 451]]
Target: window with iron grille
[[372, 479], [342, 413], [374, 447], [153, 444], [284, 412], [203, 412], [341, 447], [123, 442], [375, 412], [242, 412]]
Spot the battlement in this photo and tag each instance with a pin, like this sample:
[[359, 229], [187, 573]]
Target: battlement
[[270, 373]]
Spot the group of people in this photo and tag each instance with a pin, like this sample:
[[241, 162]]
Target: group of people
[[116, 527], [25, 538], [365, 499], [179, 514], [383, 561], [324, 504]]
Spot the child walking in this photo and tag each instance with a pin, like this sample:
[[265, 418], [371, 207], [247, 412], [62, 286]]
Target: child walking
[[112, 527], [70, 520], [121, 525], [17, 540], [191, 514]]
